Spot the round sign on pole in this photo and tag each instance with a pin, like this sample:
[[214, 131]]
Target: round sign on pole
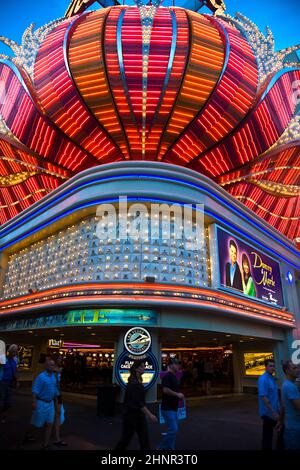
[[125, 362], [137, 341]]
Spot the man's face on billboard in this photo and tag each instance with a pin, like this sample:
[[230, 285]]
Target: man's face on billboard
[[233, 256]]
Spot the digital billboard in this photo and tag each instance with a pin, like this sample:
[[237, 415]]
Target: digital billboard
[[246, 270], [254, 362]]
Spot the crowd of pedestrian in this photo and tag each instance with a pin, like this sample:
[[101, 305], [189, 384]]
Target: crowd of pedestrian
[[197, 375], [279, 409]]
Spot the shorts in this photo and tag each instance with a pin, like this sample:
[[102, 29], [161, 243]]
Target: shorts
[[43, 414]]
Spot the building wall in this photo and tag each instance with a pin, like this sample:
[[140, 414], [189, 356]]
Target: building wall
[[46, 240], [84, 257]]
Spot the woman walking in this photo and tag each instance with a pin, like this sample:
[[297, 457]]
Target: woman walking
[[135, 413]]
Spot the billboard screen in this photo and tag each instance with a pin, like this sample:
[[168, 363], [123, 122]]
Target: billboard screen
[[246, 270], [254, 363]]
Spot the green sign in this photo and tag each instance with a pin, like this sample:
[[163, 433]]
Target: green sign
[[111, 316]]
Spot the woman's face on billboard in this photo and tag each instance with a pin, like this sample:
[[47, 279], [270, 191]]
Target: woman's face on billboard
[[246, 267]]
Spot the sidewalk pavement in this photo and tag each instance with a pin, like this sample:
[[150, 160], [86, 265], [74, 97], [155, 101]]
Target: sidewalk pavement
[[217, 423]]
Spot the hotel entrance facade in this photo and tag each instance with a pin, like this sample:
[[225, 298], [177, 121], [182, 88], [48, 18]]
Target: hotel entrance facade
[[67, 292], [130, 116]]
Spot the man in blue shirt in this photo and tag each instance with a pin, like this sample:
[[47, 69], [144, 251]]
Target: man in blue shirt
[[290, 411], [44, 390], [8, 379], [268, 401]]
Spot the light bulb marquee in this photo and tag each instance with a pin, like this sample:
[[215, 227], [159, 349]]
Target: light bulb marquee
[[152, 82]]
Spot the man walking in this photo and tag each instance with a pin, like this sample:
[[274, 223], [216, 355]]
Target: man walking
[[269, 406], [290, 413], [8, 380], [169, 405], [44, 390]]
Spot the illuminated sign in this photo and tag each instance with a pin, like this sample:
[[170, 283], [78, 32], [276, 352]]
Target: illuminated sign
[[112, 316], [137, 344], [137, 341], [254, 363], [54, 343], [25, 355], [85, 317], [245, 270], [125, 362]]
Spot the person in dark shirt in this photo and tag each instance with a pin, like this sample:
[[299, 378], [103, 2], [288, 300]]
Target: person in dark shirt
[[169, 405], [134, 418], [233, 272], [8, 380]]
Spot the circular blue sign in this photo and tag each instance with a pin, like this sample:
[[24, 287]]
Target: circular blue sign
[[137, 341], [125, 361]]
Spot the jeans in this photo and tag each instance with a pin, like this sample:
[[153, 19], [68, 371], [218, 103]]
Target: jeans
[[171, 420], [134, 422], [268, 428], [291, 439]]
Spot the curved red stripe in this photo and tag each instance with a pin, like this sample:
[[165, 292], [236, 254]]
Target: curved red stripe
[[35, 130], [230, 101], [258, 132], [60, 99]]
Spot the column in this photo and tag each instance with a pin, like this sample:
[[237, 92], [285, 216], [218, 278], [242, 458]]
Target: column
[[237, 367]]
